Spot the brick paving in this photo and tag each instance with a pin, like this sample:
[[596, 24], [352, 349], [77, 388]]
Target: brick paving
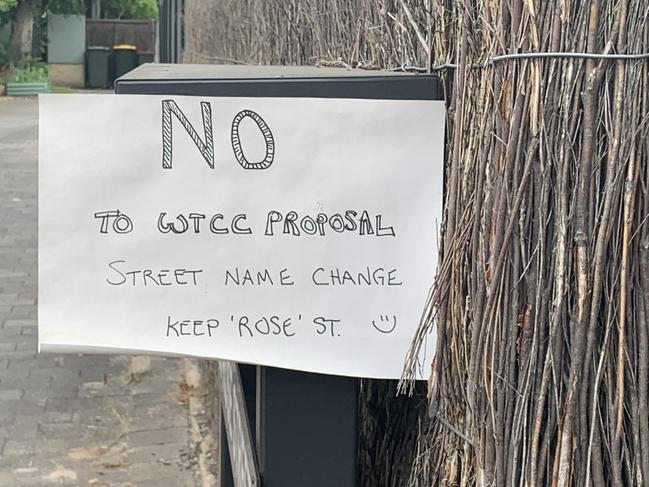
[[70, 419]]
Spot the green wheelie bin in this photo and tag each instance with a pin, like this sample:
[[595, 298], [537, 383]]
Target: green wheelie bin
[[125, 59], [98, 67]]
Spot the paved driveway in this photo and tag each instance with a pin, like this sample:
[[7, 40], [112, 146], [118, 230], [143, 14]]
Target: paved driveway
[[72, 420]]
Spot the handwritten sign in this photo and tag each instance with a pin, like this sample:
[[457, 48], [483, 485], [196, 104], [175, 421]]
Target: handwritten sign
[[296, 233]]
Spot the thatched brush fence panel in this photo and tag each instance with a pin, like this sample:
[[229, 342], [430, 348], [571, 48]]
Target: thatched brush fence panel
[[357, 33], [542, 294]]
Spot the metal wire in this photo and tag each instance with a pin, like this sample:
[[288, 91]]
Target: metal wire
[[527, 55]]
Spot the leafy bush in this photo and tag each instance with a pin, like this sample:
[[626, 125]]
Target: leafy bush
[[6, 10], [64, 7], [130, 9], [6, 5], [34, 72]]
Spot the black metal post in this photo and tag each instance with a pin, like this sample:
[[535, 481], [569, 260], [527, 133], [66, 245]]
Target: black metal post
[[306, 429]]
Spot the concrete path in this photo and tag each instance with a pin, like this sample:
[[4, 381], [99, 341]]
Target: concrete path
[[73, 420]]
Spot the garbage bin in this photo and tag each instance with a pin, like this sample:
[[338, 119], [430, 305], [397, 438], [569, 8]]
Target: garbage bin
[[125, 59], [145, 57], [97, 67]]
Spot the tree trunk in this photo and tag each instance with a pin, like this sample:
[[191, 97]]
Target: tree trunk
[[21, 31]]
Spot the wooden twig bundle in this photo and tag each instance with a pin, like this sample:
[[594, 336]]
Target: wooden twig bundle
[[367, 34], [541, 299], [542, 293]]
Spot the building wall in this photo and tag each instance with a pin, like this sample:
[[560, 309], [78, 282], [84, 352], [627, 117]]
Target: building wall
[[72, 75], [66, 42], [66, 49]]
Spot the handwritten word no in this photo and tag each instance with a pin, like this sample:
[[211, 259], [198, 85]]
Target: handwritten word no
[[205, 144]]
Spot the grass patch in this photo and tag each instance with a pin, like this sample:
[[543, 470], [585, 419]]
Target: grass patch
[[62, 89]]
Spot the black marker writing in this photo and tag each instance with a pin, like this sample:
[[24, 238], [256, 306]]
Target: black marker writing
[[193, 223], [120, 222], [385, 324], [205, 147], [243, 277], [291, 223], [264, 326], [368, 277], [268, 139], [321, 224], [326, 326], [191, 327], [149, 277]]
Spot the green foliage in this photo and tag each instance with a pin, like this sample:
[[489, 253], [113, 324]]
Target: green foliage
[[32, 72], [7, 5], [62, 90], [7, 8], [65, 7], [129, 9]]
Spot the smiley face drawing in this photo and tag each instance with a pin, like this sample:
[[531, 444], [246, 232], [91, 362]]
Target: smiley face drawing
[[385, 323]]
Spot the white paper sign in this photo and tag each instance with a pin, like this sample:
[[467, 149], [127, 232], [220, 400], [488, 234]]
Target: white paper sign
[[289, 232]]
